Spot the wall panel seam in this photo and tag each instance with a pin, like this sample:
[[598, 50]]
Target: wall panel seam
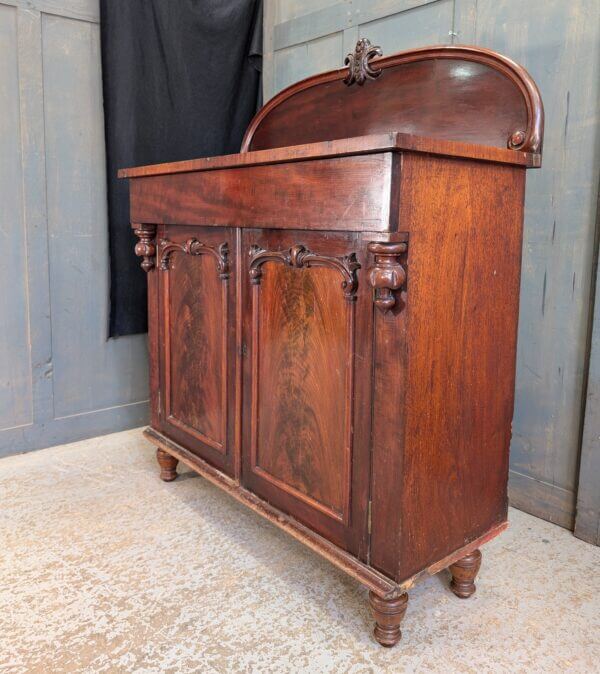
[[55, 9]]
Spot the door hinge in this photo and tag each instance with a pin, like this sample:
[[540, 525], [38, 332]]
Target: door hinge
[[369, 507]]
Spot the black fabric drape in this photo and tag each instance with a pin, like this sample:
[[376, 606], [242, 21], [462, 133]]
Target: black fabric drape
[[181, 80]]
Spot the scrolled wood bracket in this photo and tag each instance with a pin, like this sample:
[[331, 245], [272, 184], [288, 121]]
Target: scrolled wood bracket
[[359, 68], [299, 256], [387, 274], [194, 247], [145, 247]]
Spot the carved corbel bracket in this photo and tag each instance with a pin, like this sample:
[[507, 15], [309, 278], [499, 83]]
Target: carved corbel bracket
[[387, 274], [299, 256], [359, 68], [145, 247], [195, 247]]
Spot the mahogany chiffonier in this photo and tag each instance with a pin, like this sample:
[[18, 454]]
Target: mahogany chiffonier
[[333, 311]]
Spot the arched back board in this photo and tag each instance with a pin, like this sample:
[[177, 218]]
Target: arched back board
[[456, 93]]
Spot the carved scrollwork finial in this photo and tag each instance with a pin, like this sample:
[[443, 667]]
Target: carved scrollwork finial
[[387, 274], [145, 247], [359, 68]]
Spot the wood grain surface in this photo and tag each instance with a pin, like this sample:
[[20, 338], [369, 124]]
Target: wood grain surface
[[197, 337], [350, 193], [455, 93], [305, 381]]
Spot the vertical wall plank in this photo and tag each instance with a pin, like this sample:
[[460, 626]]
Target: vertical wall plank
[[558, 42], [54, 298], [587, 522], [414, 27], [15, 375], [89, 371], [464, 30], [268, 67], [31, 100]]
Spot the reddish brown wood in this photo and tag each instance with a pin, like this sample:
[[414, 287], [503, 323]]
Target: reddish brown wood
[[448, 92], [197, 338], [333, 326], [145, 248], [371, 144], [359, 67], [463, 573], [305, 380], [168, 465], [461, 311], [311, 195], [387, 275], [388, 614]]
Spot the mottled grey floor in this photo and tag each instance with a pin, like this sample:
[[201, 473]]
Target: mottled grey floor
[[105, 568]]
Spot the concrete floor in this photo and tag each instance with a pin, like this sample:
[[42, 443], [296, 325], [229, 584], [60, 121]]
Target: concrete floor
[[106, 569]]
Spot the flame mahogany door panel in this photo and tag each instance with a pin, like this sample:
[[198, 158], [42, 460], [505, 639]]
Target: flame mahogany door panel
[[307, 379], [196, 306]]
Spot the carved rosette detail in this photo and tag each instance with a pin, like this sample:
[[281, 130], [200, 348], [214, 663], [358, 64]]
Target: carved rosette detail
[[145, 247], [195, 247], [299, 256], [386, 275], [516, 140], [359, 68]]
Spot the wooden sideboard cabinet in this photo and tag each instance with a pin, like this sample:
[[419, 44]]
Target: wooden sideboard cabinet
[[333, 311]]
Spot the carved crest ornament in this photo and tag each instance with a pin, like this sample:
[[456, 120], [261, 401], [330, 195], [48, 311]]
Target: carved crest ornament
[[359, 68]]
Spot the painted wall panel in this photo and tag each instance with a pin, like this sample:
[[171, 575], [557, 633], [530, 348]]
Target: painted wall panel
[[15, 365], [60, 378], [90, 372], [415, 27], [559, 43]]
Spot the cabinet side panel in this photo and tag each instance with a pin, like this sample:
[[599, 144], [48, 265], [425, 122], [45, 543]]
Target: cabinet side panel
[[465, 223]]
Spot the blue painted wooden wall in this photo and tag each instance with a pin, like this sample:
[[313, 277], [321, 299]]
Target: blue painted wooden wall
[[60, 378], [558, 41]]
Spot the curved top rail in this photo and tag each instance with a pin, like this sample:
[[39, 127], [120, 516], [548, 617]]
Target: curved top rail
[[453, 92]]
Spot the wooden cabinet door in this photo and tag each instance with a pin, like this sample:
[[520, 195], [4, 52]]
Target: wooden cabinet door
[[196, 308], [307, 379]]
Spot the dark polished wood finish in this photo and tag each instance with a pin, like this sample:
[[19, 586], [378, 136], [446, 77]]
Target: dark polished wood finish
[[168, 465], [332, 326], [447, 92], [464, 572], [388, 615]]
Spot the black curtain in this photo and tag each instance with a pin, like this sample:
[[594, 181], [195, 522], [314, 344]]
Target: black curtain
[[181, 80]]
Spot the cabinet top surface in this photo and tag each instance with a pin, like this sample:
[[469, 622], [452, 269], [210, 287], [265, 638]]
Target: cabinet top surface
[[372, 144]]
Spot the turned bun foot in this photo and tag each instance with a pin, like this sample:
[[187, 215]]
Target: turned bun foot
[[168, 465], [388, 614], [463, 574]]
